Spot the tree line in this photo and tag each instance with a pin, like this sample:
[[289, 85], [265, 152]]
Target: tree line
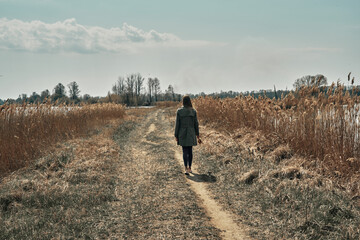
[[319, 81], [59, 95], [135, 90], [131, 90]]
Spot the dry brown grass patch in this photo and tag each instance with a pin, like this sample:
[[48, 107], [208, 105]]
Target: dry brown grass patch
[[289, 199], [282, 152], [313, 123], [166, 104], [249, 177], [291, 172], [27, 131]]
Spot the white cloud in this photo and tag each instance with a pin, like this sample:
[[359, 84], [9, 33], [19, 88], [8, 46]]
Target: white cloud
[[69, 36]]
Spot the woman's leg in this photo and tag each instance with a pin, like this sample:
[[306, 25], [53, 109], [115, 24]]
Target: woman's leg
[[190, 156], [185, 156]]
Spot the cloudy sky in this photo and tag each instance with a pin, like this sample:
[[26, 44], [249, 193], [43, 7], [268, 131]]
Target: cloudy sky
[[196, 45]]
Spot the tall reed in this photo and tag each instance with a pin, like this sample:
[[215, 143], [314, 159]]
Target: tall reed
[[318, 124], [26, 130]]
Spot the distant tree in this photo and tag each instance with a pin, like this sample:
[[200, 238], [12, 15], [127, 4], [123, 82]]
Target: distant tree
[[86, 97], [276, 97], [150, 84], [10, 101], [21, 99], [119, 87], [59, 92], [45, 94], [318, 80], [34, 98], [18, 100], [109, 99], [139, 80], [156, 88], [89, 99], [130, 89], [169, 93], [74, 91]]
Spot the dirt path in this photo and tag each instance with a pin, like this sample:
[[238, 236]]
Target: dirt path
[[124, 182], [221, 219], [157, 202]]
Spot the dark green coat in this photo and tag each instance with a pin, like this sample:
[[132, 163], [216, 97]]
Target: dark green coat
[[186, 126]]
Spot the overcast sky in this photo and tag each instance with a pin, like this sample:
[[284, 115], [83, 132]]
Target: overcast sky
[[197, 45]]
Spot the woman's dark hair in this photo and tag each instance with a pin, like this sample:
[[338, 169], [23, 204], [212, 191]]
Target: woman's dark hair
[[187, 101]]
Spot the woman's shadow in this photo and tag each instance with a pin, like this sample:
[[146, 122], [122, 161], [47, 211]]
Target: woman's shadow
[[201, 177]]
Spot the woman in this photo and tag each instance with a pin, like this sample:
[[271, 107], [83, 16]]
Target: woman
[[186, 131]]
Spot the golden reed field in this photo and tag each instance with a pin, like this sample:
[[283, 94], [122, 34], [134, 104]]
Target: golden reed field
[[319, 125], [27, 130]]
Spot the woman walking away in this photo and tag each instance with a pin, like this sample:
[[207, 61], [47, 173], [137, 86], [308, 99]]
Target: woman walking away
[[186, 131]]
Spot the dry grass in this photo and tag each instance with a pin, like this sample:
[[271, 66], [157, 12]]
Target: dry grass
[[249, 177], [277, 199], [117, 183], [289, 168], [315, 124], [165, 104], [27, 130], [65, 194]]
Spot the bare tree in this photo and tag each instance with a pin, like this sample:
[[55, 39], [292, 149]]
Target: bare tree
[[108, 97], [311, 81], [119, 87], [169, 93], [139, 80], [150, 87], [132, 91], [130, 87], [86, 97], [156, 88]]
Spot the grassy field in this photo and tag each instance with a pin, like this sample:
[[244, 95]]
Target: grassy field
[[122, 181], [115, 175], [64, 194], [275, 194], [28, 130], [288, 167], [322, 126]]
